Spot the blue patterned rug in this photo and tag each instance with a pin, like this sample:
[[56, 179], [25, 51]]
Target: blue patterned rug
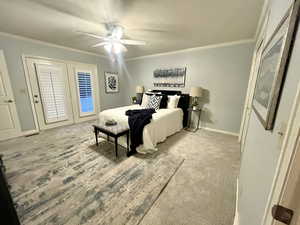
[[60, 177]]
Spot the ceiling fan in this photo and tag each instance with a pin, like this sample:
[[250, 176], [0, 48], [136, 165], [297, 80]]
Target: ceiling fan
[[113, 42]]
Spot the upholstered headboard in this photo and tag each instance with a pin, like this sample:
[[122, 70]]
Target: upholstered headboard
[[183, 103]]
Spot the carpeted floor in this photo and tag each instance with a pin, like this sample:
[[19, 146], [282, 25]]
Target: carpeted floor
[[61, 177]]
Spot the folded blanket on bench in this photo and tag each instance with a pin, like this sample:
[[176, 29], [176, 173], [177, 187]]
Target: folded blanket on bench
[[137, 120]]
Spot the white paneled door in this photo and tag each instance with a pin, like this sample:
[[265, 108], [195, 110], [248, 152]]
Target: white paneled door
[[9, 122], [51, 95]]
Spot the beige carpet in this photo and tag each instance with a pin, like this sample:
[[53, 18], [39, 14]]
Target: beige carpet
[[95, 188], [202, 192]]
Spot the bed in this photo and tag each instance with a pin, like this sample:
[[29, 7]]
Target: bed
[[164, 123]]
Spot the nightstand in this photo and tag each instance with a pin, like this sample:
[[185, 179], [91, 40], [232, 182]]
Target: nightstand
[[198, 114]]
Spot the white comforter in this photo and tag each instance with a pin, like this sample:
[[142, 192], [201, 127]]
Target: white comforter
[[165, 122]]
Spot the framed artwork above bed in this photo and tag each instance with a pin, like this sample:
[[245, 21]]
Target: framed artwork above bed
[[111, 82], [173, 77], [272, 68]]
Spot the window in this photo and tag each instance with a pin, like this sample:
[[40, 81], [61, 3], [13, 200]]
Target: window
[[85, 93]]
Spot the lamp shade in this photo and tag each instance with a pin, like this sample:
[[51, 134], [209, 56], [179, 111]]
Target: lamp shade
[[196, 92], [139, 89]]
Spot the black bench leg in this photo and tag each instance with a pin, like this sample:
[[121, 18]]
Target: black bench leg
[[96, 135], [116, 146], [127, 135]]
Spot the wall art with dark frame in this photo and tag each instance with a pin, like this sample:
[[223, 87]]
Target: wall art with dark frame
[[111, 82], [273, 66], [173, 77]]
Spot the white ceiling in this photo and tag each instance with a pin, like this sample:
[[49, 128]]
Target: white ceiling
[[166, 25]]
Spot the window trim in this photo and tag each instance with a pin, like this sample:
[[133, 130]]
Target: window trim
[[80, 113]]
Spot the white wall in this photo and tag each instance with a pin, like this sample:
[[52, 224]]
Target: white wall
[[222, 71], [262, 148], [14, 48]]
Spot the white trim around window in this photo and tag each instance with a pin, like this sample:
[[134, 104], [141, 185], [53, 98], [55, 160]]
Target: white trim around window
[[81, 115]]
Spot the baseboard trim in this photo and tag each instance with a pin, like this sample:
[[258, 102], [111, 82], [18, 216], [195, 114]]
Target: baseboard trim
[[21, 134], [29, 132], [220, 131], [236, 217]]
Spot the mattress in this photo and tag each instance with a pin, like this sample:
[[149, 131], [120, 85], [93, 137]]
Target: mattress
[[165, 122]]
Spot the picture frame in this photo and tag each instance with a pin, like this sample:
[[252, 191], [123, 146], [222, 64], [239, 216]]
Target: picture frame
[[171, 77], [111, 82], [272, 68]]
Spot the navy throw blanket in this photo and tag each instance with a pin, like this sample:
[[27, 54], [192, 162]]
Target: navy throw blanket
[[137, 120]]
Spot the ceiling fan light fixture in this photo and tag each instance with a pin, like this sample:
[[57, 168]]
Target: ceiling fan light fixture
[[118, 48], [115, 48], [108, 47], [117, 32], [113, 42]]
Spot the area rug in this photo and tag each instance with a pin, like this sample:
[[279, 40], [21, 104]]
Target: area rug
[[60, 177]]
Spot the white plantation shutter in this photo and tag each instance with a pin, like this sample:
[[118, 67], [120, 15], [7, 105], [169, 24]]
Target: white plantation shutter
[[85, 93], [52, 89]]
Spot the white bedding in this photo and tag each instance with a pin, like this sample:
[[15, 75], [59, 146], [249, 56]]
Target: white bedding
[[165, 122]]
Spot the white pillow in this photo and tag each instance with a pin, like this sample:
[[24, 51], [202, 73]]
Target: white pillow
[[173, 101], [145, 100]]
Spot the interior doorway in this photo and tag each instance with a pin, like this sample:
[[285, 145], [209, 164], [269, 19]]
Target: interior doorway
[[9, 121]]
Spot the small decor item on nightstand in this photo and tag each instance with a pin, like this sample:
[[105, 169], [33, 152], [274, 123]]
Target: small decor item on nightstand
[[196, 93], [110, 123], [133, 100]]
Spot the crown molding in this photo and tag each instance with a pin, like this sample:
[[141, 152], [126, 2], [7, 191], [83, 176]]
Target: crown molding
[[50, 44], [128, 59], [193, 49]]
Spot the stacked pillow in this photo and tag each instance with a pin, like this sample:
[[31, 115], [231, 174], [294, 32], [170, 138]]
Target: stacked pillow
[[173, 101], [154, 102], [145, 100], [159, 101]]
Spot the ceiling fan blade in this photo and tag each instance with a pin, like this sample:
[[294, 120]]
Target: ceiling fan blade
[[132, 42], [124, 48], [93, 35], [100, 44]]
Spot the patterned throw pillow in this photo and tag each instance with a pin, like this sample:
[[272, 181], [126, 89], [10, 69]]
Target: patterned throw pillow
[[154, 102]]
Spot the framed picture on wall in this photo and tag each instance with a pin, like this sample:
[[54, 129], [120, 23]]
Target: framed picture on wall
[[272, 68], [111, 82]]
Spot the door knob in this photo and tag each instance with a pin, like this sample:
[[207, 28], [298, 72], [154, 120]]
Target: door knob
[[9, 101], [282, 214]]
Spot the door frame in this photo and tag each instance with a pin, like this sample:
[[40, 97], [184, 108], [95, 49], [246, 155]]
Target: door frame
[[10, 90], [33, 65], [68, 63], [250, 92], [252, 81], [284, 162]]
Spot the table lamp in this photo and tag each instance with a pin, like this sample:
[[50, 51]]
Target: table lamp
[[139, 90], [196, 93]]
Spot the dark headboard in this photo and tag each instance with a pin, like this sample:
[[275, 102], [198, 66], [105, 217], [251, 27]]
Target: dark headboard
[[183, 103]]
